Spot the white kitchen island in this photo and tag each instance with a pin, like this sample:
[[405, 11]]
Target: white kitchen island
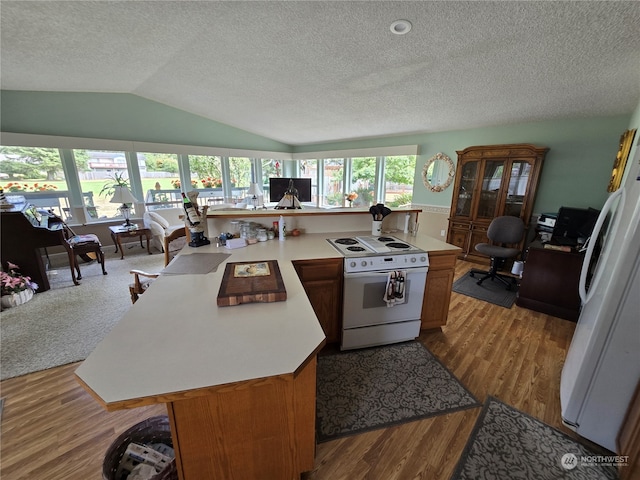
[[239, 381]]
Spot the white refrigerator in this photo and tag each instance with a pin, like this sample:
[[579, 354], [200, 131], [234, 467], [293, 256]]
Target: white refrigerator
[[602, 368]]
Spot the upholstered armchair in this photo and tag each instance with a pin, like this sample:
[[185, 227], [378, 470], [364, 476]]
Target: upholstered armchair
[[166, 225]]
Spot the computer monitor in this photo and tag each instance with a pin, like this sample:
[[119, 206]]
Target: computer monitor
[[278, 187], [574, 223]]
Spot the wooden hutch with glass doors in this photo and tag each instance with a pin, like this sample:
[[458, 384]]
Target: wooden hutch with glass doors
[[492, 181]]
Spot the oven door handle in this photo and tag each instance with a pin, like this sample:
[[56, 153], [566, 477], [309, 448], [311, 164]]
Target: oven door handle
[[385, 274]]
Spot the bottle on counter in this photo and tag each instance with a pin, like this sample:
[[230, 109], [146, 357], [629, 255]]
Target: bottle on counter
[[282, 228], [192, 214]]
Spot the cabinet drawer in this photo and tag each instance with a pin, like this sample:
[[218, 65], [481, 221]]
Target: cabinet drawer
[[309, 270], [460, 226], [443, 261], [480, 228]]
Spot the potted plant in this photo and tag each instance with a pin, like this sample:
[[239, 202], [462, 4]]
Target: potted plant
[[16, 288], [114, 182]]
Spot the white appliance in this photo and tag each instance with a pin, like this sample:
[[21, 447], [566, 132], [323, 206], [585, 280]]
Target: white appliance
[[602, 368], [367, 318]]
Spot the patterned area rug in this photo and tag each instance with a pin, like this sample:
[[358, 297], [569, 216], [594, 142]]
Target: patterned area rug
[[367, 389], [507, 444], [493, 292]]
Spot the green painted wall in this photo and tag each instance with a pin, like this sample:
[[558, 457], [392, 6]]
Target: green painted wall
[[120, 117], [576, 171]]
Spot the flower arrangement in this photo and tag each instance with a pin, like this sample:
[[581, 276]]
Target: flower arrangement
[[175, 183], [210, 182], [351, 197], [12, 281], [25, 187]]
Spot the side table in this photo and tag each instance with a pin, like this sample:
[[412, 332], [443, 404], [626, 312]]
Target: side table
[[118, 233]]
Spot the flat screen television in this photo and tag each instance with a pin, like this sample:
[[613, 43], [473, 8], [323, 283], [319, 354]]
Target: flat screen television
[[278, 187], [574, 223]]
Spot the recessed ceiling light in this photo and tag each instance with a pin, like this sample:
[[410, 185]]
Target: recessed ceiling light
[[400, 27]]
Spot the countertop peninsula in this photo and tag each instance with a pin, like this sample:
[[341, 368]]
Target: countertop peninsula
[[238, 382], [175, 338]]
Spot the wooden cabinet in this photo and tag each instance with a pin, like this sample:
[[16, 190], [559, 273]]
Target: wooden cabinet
[[322, 281], [550, 282], [492, 181], [260, 428], [437, 292]]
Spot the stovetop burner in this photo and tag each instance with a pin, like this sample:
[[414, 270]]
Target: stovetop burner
[[398, 245], [373, 253], [346, 241], [364, 246]]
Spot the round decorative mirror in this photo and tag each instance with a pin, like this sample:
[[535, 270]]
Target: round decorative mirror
[[438, 172]]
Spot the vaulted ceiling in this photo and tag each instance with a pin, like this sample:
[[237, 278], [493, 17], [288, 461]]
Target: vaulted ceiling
[[316, 71]]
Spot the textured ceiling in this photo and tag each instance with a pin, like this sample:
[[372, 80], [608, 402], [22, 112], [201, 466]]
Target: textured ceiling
[[311, 72]]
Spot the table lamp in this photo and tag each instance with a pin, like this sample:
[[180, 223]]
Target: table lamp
[[123, 196], [255, 192]]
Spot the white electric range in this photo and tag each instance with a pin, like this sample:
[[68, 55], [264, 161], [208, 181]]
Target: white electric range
[[384, 282]]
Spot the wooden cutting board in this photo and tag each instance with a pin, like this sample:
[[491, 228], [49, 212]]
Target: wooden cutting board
[[245, 282]]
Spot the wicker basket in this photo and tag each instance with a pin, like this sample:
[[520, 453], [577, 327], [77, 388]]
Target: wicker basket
[[151, 430]]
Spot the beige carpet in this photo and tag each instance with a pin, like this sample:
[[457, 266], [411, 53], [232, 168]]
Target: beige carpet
[[64, 324]]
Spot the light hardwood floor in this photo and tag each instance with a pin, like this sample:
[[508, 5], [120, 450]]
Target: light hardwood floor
[[52, 429]]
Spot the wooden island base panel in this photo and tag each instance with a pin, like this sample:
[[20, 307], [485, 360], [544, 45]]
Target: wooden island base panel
[[263, 428], [239, 382]]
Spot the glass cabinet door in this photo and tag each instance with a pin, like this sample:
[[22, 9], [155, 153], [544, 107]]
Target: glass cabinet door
[[517, 189], [490, 189], [465, 191]]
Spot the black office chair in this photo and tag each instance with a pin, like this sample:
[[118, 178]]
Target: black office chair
[[502, 231]]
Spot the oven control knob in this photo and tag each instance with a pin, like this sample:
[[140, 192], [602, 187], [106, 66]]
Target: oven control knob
[[413, 259], [352, 264], [423, 259], [363, 263]]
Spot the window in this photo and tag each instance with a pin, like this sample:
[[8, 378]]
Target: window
[[399, 174], [206, 177], [37, 174], [98, 171], [240, 176], [160, 178], [270, 168], [332, 189], [363, 181], [309, 169]]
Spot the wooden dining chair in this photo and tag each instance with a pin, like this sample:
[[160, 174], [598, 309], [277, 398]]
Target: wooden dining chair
[[140, 285], [83, 246]]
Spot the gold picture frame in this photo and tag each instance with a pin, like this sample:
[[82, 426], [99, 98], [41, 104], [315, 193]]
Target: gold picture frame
[[626, 140]]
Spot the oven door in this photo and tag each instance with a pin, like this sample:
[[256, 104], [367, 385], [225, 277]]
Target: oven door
[[364, 303]]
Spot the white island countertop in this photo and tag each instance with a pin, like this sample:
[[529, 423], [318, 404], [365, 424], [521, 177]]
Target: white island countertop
[[176, 341]]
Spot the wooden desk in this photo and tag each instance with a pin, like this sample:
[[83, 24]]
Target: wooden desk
[[550, 282], [118, 232]]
